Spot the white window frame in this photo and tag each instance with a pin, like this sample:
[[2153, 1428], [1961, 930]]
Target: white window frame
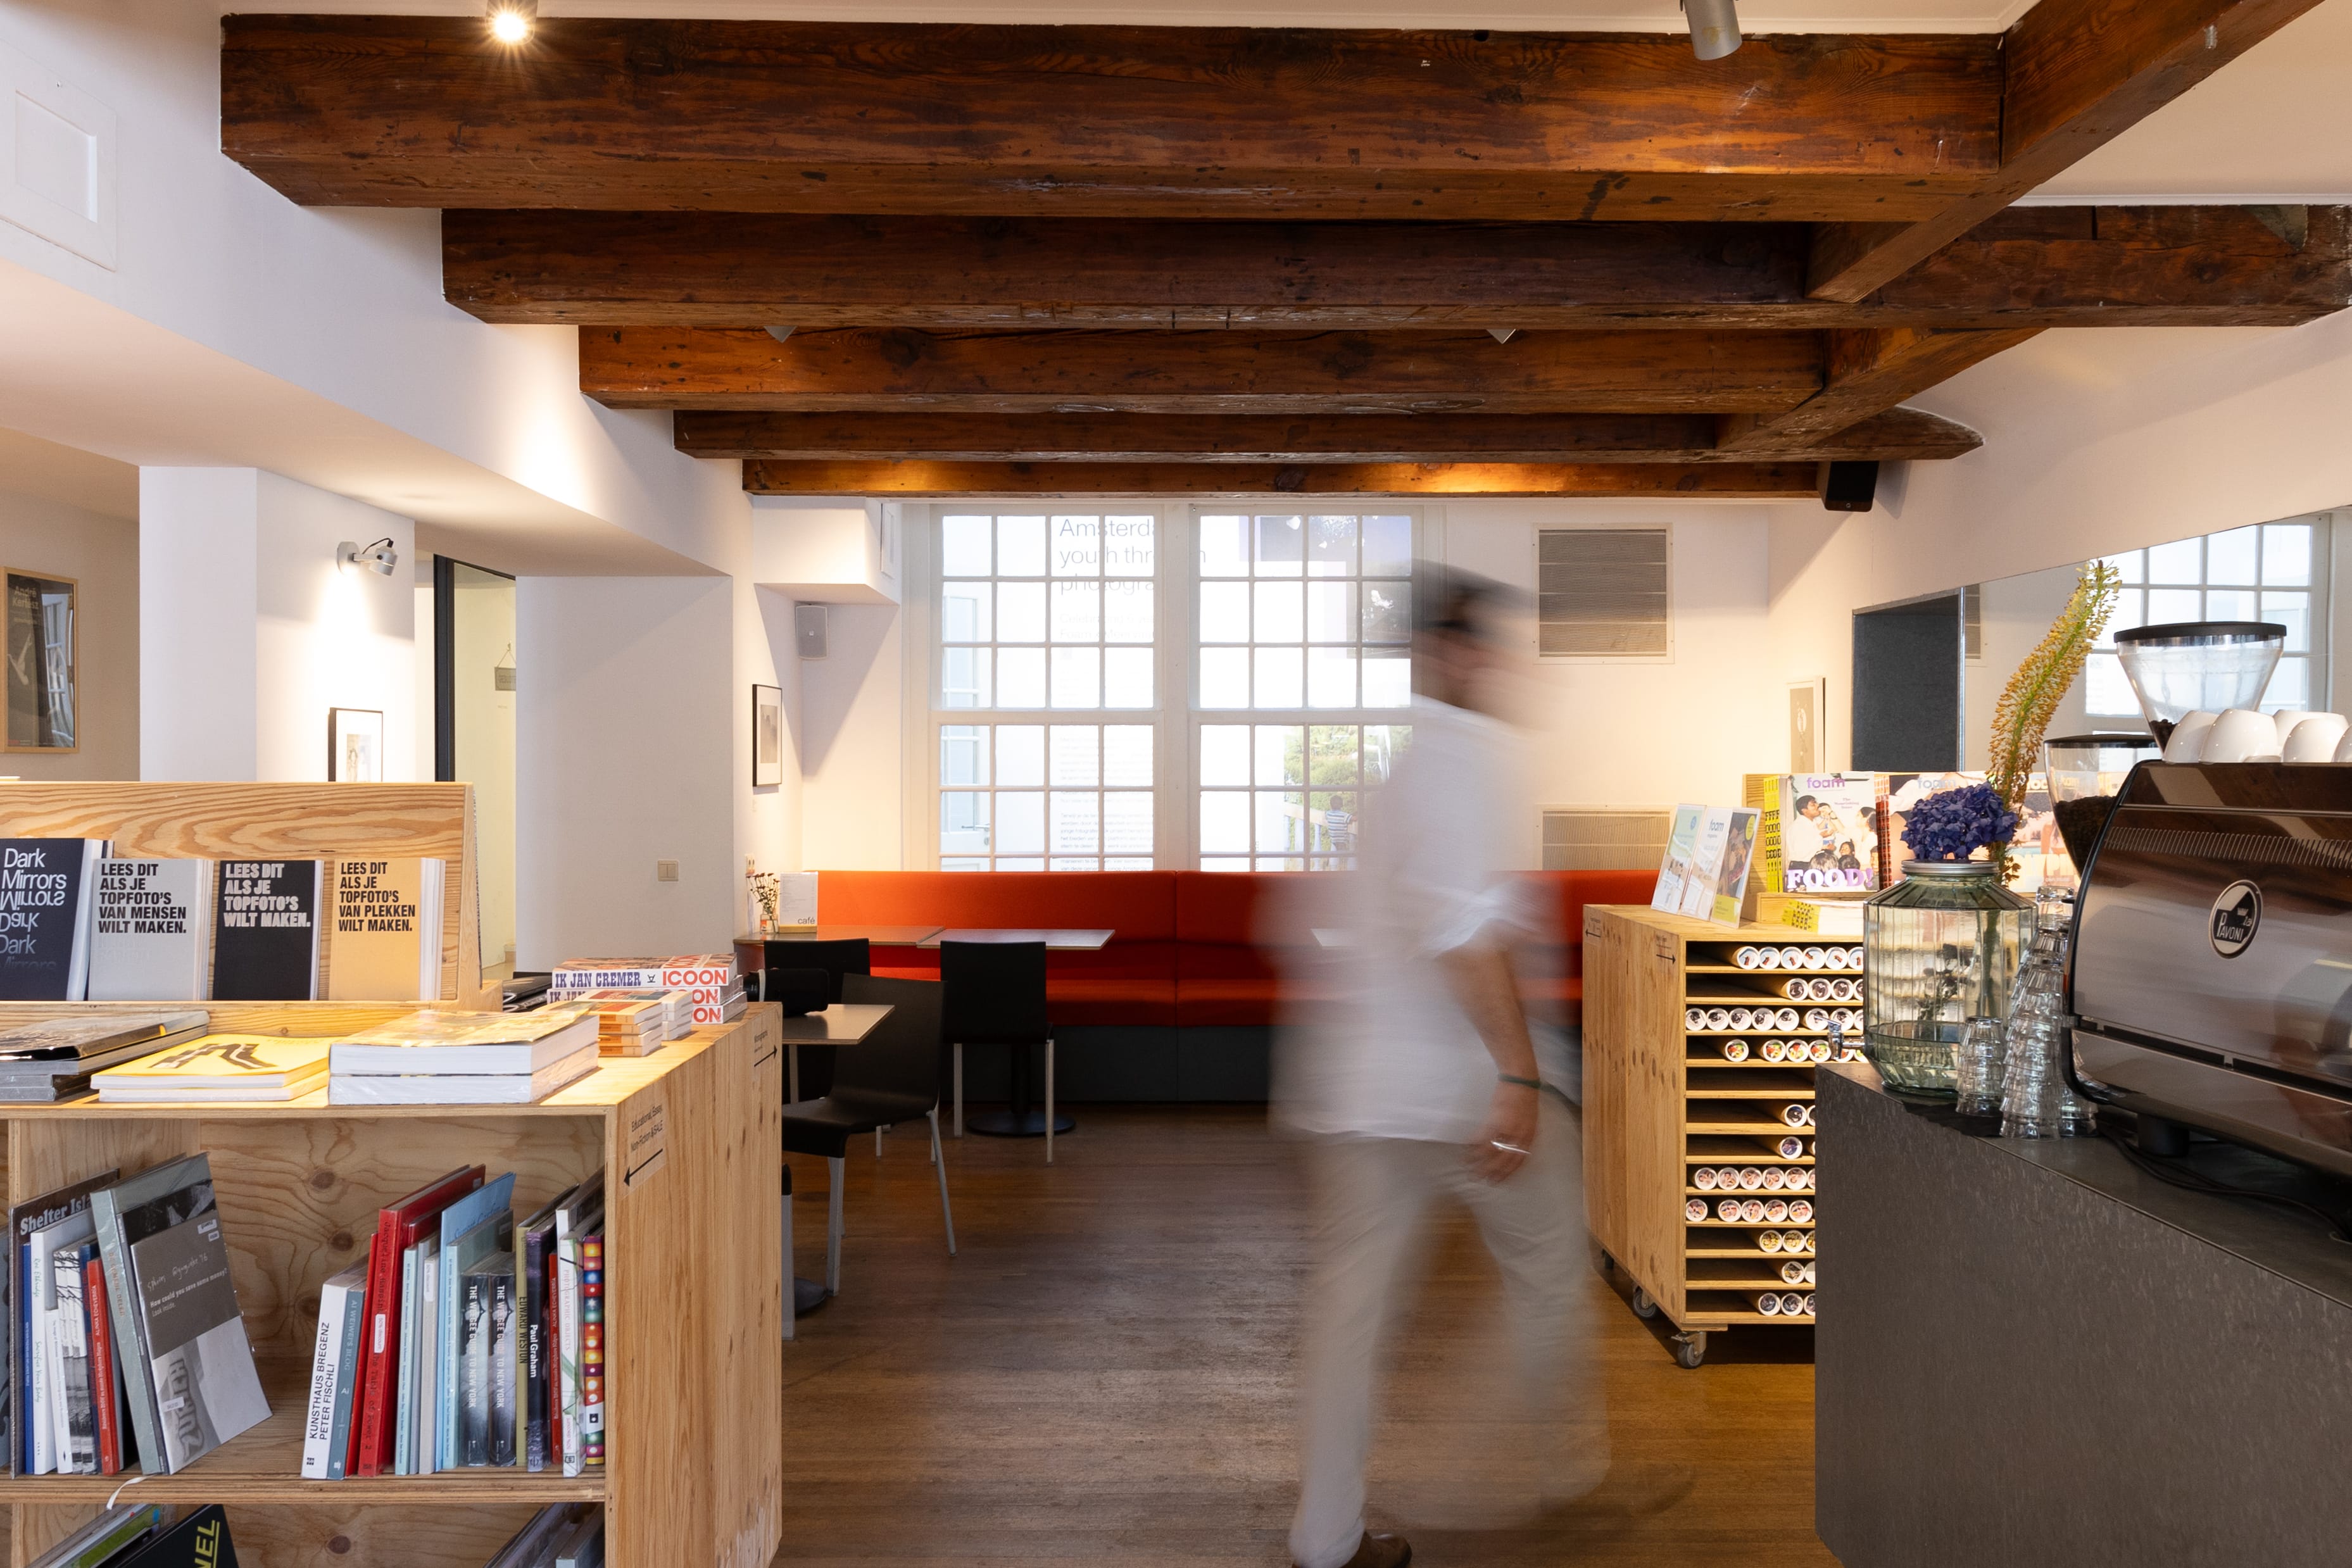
[[2315, 655]]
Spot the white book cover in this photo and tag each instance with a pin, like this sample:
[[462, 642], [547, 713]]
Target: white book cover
[[567, 1354], [151, 939], [433, 1043], [339, 1297], [460, 1088], [47, 1401], [1682, 838], [427, 1449]]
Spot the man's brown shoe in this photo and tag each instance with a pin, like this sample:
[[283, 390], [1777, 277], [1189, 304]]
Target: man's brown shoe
[[1381, 1552]]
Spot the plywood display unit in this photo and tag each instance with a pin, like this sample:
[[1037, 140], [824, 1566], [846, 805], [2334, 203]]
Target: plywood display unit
[[689, 1141], [1660, 1102]]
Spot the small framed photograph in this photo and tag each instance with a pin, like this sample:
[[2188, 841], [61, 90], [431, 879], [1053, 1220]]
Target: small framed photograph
[[43, 655], [354, 745], [1807, 705], [767, 736]]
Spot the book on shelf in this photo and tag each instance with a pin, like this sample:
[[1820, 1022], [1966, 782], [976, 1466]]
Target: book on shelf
[[51, 1396], [534, 1245], [200, 1540], [152, 932], [386, 934], [710, 978], [592, 1348], [105, 1366], [266, 931], [581, 1546], [1819, 832], [54, 1059], [215, 1067], [335, 1372], [187, 1362], [107, 1539], [678, 1006], [26, 1220], [580, 1212], [477, 1211], [399, 1227], [46, 894], [487, 1286], [75, 1409]]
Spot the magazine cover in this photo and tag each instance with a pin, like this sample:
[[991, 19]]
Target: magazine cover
[[1731, 874], [1681, 840], [1706, 862], [1821, 833]]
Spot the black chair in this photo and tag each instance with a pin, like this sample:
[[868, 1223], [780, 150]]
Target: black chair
[[996, 996], [892, 1077], [837, 960]]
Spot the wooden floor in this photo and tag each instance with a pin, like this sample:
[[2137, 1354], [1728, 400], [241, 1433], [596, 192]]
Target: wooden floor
[[1105, 1373]]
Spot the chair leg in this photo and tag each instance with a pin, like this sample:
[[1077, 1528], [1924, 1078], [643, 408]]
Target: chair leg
[[837, 1169], [959, 1088], [878, 1143], [793, 1073], [1049, 1099], [790, 1332], [946, 1213]]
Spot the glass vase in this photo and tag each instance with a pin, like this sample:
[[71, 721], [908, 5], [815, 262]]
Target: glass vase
[[1941, 949]]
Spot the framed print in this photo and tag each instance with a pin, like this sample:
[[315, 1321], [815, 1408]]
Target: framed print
[[43, 701], [354, 745], [1807, 701], [767, 736]]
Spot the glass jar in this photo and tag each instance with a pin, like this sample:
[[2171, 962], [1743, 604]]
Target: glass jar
[[1940, 950]]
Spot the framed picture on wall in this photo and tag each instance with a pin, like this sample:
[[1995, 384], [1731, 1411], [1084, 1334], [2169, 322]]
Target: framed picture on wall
[[767, 736], [1808, 704], [43, 702], [354, 745]]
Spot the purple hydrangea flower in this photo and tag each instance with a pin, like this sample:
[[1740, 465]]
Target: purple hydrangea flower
[[1953, 824]]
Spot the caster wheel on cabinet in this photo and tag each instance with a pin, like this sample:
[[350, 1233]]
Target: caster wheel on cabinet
[[1690, 1349], [1608, 1264], [1644, 1307]]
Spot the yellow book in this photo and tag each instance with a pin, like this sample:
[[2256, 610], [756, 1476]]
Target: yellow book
[[218, 1067]]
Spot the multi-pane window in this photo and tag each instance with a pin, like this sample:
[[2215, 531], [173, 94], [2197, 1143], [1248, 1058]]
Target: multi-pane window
[[1047, 612], [1299, 611], [2267, 572], [1045, 797], [1287, 796]]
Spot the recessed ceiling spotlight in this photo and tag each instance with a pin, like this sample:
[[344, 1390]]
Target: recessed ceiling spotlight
[[1715, 28], [780, 334], [511, 20], [1502, 334]]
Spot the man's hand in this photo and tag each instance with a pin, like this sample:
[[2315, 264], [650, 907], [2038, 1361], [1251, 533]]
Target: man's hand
[[1510, 1121]]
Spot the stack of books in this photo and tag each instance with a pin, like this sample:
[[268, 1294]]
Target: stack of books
[[463, 1059], [128, 1346], [708, 978], [465, 1340], [54, 1060], [217, 1068], [677, 1007], [629, 1024], [146, 1536]]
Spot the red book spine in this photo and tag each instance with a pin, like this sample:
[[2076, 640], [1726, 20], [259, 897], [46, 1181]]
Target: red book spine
[[105, 1405], [382, 1345], [554, 1365], [352, 1448]]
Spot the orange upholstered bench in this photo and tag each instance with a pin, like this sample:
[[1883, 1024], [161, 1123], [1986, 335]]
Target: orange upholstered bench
[[1557, 989]]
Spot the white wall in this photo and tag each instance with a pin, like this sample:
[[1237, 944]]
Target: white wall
[[852, 745], [100, 553], [250, 631], [627, 752]]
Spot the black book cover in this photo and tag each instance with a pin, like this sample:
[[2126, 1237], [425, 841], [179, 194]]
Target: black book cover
[[535, 1352], [504, 1322], [199, 1541], [266, 941], [46, 888], [474, 1369]]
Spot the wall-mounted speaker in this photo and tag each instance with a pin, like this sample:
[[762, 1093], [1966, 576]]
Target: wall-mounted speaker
[[809, 626], [1850, 487]]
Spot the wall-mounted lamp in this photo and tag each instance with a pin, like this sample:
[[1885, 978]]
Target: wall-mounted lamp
[[512, 20], [1715, 28], [379, 557]]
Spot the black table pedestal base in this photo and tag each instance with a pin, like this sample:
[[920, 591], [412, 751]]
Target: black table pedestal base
[[1014, 1123]]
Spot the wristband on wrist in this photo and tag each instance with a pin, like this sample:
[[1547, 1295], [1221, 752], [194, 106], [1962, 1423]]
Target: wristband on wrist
[[1534, 1084]]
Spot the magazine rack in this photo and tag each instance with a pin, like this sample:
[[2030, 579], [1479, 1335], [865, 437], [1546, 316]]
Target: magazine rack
[[1659, 1099], [687, 1139]]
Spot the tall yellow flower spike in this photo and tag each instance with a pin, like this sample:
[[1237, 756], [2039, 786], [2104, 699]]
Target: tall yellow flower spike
[[2032, 698]]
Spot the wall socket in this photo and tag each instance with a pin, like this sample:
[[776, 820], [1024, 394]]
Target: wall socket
[[664, 870]]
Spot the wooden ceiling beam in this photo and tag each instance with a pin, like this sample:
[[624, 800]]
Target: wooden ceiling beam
[[2077, 73], [1868, 373], [901, 369], [1760, 481], [1898, 434], [2039, 266], [1113, 122]]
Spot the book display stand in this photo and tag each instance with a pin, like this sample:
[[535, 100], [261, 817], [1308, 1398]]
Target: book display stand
[[687, 1139], [1660, 1102]]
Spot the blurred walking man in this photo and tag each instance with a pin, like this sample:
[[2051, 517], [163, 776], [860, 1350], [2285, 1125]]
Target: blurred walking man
[[1426, 1085]]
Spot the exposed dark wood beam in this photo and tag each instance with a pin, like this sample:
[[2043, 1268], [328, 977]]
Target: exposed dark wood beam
[[2039, 266], [901, 369], [863, 116], [1761, 481], [1676, 438], [1868, 372], [2077, 73]]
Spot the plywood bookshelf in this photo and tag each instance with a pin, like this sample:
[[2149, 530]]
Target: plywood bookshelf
[[688, 1137], [1659, 1101]]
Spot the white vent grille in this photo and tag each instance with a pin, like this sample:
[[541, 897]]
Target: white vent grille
[[1601, 591], [1604, 840]]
